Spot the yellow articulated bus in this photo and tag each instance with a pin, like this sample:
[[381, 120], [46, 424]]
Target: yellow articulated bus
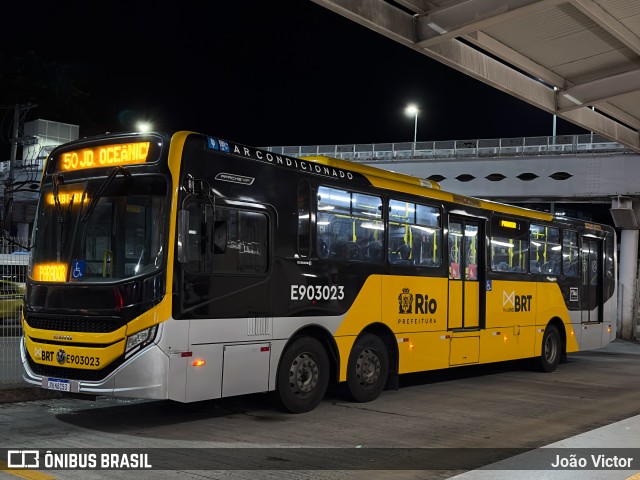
[[187, 267]]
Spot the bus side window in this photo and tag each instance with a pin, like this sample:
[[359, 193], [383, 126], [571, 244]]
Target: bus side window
[[247, 241], [608, 262], [509, 255], [414, 234], [349, 226], [546, 255], [234, 241], [570, 253], [304, 219]]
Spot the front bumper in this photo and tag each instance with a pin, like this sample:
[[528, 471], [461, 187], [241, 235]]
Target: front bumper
[[144, 375]]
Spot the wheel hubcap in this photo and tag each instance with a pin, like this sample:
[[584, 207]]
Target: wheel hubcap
[[368, 368], [304, 374], [550, 349]]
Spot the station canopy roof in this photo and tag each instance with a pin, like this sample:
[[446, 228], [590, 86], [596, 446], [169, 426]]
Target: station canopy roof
[[579, 59]]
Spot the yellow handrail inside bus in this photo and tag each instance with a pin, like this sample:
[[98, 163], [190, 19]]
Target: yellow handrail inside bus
[[107, 257]]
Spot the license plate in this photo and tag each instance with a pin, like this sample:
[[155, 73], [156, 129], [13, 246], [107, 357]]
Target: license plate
[[59, 384]]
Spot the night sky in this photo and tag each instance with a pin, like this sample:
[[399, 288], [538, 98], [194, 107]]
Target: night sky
[[261, 73]]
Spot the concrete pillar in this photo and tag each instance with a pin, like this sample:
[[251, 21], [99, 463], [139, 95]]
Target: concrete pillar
[[625, 217], [627, 283]]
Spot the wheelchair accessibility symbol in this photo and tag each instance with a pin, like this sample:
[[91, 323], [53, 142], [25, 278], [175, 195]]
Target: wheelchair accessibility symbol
[[78, 268]]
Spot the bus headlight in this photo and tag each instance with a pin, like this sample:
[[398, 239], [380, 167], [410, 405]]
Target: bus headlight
[[141, 339]]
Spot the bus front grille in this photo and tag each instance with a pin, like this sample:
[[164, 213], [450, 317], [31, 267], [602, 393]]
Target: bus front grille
[[74, 323]]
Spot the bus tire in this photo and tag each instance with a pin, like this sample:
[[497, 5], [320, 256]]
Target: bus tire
[[551, 350], [303, 376], [368, 368]]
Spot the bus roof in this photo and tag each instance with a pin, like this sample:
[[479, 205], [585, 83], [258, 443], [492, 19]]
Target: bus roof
[[369, 170]]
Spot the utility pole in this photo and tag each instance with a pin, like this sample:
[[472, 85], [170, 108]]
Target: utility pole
[[8, 188]]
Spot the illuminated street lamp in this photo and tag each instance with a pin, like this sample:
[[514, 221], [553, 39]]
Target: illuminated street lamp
[[143, 126], [412, 111]]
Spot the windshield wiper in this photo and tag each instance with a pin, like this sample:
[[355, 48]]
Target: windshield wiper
[[56, 198], [103, 187]]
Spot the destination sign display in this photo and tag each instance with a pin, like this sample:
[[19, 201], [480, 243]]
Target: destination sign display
[[106, 155], [510, 227], [65, 198], [50, 272]]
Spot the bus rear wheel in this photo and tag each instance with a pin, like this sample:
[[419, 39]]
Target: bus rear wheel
[[551, 350], [303, 376], [368, 368]]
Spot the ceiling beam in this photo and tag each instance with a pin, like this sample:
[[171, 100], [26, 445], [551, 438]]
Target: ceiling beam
[[592, 93], [377, 15], [417, 6], [500, 50], [473, 15], [492, 72], [596, 13], [619, 115]]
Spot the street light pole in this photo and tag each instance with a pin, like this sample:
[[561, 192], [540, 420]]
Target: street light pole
[[412, 110], [415, 128]]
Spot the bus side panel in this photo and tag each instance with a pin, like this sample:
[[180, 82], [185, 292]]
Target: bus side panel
[[609, 330], [415, 309], [365, 309], [424, 351], [591, 336], [511, 308], [512, 303], [174, 340], [507, 343], [552, 305], [205, 382], [217, 343]]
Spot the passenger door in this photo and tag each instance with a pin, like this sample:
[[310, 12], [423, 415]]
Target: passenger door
[[466, 263], [592, 281]]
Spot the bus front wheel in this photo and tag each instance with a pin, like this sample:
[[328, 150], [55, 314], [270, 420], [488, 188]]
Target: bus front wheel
[[368, 368], [303, 375], [551, 349]]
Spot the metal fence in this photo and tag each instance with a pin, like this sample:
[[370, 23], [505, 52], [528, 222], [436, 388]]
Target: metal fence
[[14, 261], [469, 149]]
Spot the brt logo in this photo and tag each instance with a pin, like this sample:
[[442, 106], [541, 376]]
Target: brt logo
[[422, 304], [516, 303]]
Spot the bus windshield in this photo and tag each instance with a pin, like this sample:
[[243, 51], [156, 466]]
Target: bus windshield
[[100, 230]]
